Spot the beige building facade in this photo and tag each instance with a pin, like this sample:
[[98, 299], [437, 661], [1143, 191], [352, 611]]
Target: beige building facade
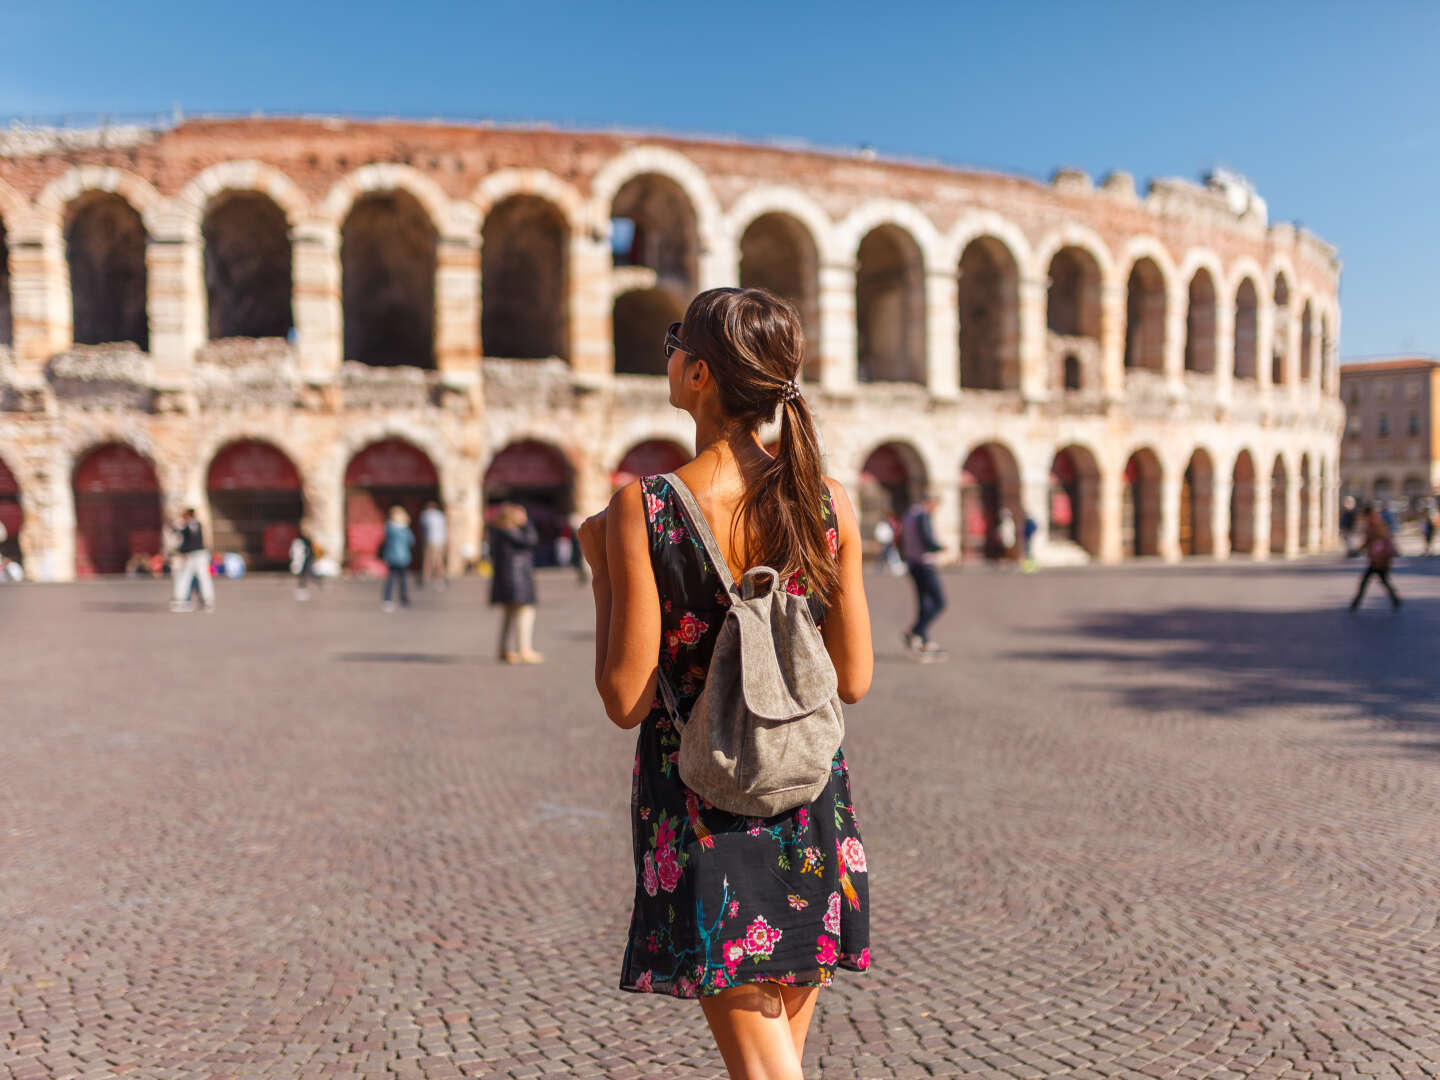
[[1391, 448], [305, 321]]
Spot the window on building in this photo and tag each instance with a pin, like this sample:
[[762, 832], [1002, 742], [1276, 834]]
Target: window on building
[[1355, 426], [1414, 425], [1383, 427], [1382, 392], [1412, 389]]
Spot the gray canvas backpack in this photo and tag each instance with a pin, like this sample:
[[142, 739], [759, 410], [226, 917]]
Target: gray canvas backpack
[[761, 736]]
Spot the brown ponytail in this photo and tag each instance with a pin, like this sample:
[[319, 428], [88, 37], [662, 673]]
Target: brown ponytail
[[754, 345]]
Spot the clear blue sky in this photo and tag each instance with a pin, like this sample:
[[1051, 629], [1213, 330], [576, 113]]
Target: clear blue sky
[[1332, 109]]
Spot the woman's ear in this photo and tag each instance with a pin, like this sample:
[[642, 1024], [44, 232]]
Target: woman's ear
[[698, 374]]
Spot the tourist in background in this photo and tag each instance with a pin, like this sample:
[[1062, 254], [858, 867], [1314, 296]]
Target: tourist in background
[[1379, 553], [192, 565], [1347, 525], [918, 548], [302, 564], [1030, 529], [396, 552], [1429, 527], [512, 587], [433, 529]]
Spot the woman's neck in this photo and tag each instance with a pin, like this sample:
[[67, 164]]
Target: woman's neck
[[729, 449]]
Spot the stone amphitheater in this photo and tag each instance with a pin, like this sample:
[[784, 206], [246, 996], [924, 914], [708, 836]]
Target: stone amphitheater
[[305, 321]]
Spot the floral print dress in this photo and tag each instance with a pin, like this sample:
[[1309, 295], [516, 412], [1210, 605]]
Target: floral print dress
[[723, 900]]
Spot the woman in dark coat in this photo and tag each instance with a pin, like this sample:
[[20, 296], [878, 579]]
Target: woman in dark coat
[[512, 553]]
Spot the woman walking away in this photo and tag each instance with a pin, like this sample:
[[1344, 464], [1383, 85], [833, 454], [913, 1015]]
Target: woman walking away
[[751, 915], [396, 551], [512, 551], [1380, 551]]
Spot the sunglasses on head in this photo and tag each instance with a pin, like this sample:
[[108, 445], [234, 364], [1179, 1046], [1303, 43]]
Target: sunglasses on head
[[673, 344]]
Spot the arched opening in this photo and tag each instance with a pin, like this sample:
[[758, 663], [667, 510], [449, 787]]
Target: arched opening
[[1145, 317], [1200, 324], [1196, 487], [391, 472], [524, 279], [7, 324], [1242, 506], [117, 510], [1279, 506], [892, 477], [641, 318], [247, 267], [1305, 495], [255, 503], [1307, 343], [12, 516], [387, 273], [537, 476], [1280, 335], [1072, 319], [778, 253], [649, 458], [1141, 509], [989, 483], [989, 295], [1247, 330], [655, 246], [105, 250], [1075, 499], [890, 307]]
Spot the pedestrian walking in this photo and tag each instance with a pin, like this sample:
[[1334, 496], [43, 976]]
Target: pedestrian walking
[[512, 586], [302, 564], [1429, 527], [1005, 535], [751, 915], [192, 565], [433, 528], [1379, 553], [918, 548], [1031, 528], [1347, 525], [396, 552]]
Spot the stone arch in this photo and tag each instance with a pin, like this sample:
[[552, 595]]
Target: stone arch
[[989, 486], [385, 472], [656, 248], [387, 277], [1280, 328], [118, 513], [648, 457], [248, 265], [1200, 323], [525, 278], [757, 202], [1307, 341], [1074, 503], [1383, 489], [53, 201], [778, 252], [1247, 329], [850, 233], [507, 183], [1074, 277], [664, 162], [1141, 506], [989, 303], [893, 474], [105, 247], [1279, 504], [1146, 290], [190, 206], [1197, 486], [389, 178], [540, 477], [1081, 237], [256, 502], [984, 223], [1242, 504], [890, 306]]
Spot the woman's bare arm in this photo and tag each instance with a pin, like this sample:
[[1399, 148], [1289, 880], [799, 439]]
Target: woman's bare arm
[[626, 671], [847, 618]]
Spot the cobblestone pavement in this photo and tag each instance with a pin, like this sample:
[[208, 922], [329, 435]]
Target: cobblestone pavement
[[1148, 822]]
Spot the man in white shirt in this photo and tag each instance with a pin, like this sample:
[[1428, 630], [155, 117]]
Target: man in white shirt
[[432, 528]]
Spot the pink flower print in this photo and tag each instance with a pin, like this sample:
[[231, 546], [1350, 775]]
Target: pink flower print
[[825, 951], [691, 628], [677, 534], [802, 816], [650, 881], [644, 982], [731, 953], [664, 832], [734, 908], [832, 914], [644, 813], [685, 985], [853, 854], [795, 586], [667, 869], [653, 506], [760, 937], [719, 979], [797, 902], [832, 540], [863, 960]]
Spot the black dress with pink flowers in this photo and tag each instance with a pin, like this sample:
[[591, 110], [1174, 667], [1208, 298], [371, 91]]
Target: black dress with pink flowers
[[722, 900]]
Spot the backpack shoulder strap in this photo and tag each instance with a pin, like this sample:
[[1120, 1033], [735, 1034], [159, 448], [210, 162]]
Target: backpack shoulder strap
[[701, 528]]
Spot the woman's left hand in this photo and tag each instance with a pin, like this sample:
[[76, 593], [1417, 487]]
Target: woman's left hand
[[592, 542]]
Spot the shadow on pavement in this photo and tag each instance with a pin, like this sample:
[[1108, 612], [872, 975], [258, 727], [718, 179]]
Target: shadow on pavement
[[397, 658], [128, 607]]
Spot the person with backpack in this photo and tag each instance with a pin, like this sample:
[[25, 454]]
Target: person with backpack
[[1379, 551], [396, 552], [751, 913]]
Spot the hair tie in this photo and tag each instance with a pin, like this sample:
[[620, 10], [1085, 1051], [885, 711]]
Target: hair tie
[[789, 392]]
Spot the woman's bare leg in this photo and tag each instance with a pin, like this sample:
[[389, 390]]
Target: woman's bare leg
[[752, 1026], [800, 1008]]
